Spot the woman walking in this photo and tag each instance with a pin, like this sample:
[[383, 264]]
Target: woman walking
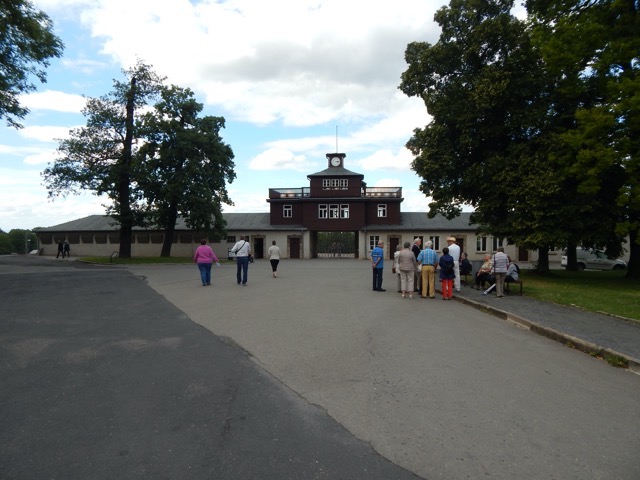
[[274, 258], [204, 258]]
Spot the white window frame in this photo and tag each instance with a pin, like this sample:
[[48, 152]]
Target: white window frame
[[497, 242], [481, 243], [436, 242], [334, 210], [344, 183], [322, 211], [326, 183], [287, 211], [382, 210], [344, 210], [373, 241]]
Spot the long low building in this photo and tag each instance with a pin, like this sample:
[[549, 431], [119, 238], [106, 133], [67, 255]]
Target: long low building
[[336, 216]]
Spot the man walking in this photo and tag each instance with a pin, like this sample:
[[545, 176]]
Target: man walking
[[242, 249], [454, 251], [429, 261], [377, 264]]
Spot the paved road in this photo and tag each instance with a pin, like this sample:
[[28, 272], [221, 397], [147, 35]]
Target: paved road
[[102, 378], [440, 388], [436, 388]]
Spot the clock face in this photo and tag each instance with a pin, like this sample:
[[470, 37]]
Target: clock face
[[335, 161]]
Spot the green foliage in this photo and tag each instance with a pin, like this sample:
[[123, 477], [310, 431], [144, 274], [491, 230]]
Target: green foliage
[[17, 241], [184, 165], [534, 122], [27, 42], [101, 156]]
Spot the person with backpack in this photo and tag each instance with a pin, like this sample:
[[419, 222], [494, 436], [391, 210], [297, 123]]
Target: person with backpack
[[447, 274], [512, 272]]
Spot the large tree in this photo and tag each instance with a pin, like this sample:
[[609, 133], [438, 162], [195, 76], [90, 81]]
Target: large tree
[[101, 157], [185, 166], [595, 47], [27, 42], [484, 86], [498, 109]]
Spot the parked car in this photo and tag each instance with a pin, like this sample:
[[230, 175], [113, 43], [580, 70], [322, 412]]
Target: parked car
[[594, 259]]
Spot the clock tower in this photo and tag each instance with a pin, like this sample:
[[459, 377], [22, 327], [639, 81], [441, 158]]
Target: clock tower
[[336, 159]]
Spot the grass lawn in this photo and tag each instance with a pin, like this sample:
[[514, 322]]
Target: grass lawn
[[610, 292]]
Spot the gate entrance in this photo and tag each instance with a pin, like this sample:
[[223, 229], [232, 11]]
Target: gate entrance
[[336, 245]]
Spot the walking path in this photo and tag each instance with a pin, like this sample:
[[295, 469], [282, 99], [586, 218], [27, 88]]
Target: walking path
[[586, 331]]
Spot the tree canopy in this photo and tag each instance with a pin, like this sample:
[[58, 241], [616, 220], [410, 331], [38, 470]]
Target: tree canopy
[[503, 116], [153, 163], [27, 42], [185, 166]]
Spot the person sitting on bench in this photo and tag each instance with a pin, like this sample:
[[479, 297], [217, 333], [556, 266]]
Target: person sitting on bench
[[512, 272], [484, 274]]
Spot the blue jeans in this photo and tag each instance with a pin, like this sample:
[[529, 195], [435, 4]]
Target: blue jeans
[[242, 268], [205, 273], [377, 278]]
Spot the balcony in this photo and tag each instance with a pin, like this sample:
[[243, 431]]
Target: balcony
[[305, 192], [384, 192]]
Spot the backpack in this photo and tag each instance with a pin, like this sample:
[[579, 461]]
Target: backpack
[[517, 268], [447, 267]]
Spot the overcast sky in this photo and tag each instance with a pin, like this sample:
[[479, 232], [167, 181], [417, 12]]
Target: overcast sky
[[285, 74]]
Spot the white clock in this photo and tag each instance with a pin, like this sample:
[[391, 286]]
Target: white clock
[[335, 161]]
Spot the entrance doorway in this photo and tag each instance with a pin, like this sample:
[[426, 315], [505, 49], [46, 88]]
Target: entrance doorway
[[294, 247]]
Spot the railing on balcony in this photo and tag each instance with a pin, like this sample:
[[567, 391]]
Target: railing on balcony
[[305, 192], [389, 192], [289, 192]]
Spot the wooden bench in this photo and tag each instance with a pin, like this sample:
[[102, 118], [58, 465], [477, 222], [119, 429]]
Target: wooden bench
[[517, 282]]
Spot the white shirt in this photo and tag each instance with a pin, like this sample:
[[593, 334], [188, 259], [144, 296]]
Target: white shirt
[[454, 251], [242, 249]]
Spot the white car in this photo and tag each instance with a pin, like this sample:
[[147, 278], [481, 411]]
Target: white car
[[594, 259]]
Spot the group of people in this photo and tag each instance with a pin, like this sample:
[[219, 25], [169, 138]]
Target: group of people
[[204, 257], [64, 249], [497, 270], [416, 268]]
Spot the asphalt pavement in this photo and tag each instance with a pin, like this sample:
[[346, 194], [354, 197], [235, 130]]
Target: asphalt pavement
[[141, 372]]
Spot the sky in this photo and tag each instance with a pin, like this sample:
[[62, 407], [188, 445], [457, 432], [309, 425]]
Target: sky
[[294, 80]]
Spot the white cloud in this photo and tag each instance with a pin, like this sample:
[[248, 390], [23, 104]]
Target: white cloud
[[278, 159], [53, 100], [45, 133]]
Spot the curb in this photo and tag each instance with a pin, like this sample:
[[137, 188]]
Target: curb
[[630, 363]]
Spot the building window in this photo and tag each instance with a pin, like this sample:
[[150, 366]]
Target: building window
[[334, 211], [326, 183], [231, 239], [86, 238], [497, 242], [344, 211], [373, 241], [436, 243], [481, 244], [287, 211], [322, 211], [344, 183], [142, 238], [382, 210]]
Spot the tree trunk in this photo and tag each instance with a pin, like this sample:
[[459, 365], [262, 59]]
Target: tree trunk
[[124, 179], [633, 269], [572, 256], [170, 229], [543, 261]]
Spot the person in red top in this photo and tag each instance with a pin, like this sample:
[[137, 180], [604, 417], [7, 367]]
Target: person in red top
[[204, 258]]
